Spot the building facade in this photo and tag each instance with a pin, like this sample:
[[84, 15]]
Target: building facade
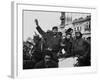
[[83, 25]]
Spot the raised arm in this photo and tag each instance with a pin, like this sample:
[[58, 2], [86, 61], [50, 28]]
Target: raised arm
[[39, 28]]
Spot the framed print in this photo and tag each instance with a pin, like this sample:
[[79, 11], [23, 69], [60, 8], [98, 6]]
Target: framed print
[[52, 40]]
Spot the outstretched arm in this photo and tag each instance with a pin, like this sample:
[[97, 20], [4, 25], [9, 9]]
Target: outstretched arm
[[39, 28], [36, 22]]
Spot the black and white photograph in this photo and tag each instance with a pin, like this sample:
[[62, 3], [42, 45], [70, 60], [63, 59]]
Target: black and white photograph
[[55, 39]]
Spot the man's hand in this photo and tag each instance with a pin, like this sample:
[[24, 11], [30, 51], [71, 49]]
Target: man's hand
[[36, 22]]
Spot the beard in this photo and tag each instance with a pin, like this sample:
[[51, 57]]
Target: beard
[[78, 37]]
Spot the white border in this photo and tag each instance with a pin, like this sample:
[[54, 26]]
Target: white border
[[17, 68]]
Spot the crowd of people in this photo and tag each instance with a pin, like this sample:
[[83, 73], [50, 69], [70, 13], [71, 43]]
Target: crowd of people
[[45, 51]]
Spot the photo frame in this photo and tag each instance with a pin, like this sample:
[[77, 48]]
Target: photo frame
[[17, 24]]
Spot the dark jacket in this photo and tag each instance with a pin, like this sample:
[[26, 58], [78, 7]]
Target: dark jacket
[[42, 64], [81, 47], [68, 46], [51, 41]]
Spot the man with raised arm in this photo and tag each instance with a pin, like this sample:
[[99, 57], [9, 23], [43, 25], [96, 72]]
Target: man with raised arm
[[52, 39]]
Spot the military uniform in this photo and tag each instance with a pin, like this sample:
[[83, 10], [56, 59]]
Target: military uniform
[[51, 41], [81, 48]]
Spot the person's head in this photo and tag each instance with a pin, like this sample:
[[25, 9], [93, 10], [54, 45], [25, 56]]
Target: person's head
[[78, 35], [68, 36], [89, 38], [48, 31], [70, 30], [36, 38], [55, 29], [47, 56]]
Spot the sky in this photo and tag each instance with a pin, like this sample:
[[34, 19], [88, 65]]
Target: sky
[[46, 21]]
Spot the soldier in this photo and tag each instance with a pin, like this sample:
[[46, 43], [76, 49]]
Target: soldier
[[67, 45], [52, 39], [47, 61], [81, 48]]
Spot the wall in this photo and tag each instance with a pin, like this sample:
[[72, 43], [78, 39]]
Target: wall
[[5, 39]]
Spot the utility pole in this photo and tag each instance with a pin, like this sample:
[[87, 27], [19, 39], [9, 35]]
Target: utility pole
[[62, 18], [62, 24]]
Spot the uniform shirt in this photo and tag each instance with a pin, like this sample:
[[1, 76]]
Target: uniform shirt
[[52, 40], [81, 47]]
